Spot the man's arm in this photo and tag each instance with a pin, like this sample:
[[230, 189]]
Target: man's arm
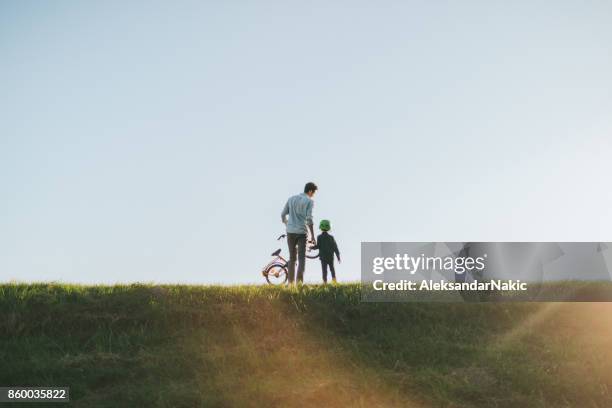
[[314, 240], [285, 212], [309, 221], [336, 250]]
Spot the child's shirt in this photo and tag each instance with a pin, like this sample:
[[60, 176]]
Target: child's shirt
[[327, 247]]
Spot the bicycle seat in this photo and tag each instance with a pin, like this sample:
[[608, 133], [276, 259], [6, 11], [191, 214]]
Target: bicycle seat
[[277, 252]]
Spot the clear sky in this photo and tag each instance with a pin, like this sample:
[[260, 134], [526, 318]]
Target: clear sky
[[159, 141]]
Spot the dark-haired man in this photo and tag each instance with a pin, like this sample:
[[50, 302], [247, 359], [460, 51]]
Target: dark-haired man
[[299, 209]]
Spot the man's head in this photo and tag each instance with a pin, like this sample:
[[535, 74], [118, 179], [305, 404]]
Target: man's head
[[310, 188]]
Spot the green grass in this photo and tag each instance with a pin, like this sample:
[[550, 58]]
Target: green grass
[[251, 346]]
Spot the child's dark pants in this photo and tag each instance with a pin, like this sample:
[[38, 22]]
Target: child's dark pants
[[324, 265]]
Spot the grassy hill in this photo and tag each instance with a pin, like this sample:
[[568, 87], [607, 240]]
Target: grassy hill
[[251, 346]]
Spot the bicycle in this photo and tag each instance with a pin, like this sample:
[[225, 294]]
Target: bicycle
[[276, 271]]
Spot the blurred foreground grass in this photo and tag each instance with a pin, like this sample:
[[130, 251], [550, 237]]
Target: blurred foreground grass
[[252, 346]]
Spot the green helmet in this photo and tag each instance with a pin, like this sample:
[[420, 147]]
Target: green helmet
[[324, 225]]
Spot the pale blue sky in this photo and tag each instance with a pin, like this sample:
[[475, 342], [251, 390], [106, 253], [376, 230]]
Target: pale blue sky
[[158, 141]]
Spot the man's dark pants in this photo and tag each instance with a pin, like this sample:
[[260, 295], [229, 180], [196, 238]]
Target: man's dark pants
[[297, 243]]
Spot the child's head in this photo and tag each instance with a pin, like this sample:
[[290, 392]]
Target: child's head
[[324, 225]]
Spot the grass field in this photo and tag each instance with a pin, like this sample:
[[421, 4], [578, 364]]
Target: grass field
[[252, 346]]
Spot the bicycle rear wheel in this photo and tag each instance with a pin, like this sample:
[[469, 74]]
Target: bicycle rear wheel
[[276, 274]]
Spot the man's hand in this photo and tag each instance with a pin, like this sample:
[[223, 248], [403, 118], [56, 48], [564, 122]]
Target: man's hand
[[339, 260]]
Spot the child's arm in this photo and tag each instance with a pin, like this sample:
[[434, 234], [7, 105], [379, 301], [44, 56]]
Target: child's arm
[[336, 250], [316, 245]]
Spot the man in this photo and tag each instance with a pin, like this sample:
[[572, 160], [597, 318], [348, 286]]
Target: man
[[299, 210]]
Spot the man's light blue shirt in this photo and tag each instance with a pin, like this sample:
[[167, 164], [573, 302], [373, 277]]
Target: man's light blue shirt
[[299, 208]]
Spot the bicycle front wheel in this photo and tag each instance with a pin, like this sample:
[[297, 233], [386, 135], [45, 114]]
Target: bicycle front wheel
[[311, 253]]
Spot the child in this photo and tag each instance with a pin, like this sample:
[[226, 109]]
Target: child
[[327, 248]]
